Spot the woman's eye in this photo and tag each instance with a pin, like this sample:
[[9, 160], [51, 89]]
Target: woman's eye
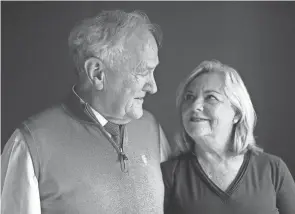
[[188, 97], [211, 97]]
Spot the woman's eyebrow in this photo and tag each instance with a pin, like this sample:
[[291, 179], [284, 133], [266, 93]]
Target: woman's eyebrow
[[212, 90]]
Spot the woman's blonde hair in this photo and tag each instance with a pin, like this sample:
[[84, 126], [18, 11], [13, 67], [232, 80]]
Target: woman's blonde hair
[[236, 92]]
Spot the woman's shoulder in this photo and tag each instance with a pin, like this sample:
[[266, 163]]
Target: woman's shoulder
[[174, 166], [173, 163], [176, 159], [266, 161], [267, 158], [275, 166]]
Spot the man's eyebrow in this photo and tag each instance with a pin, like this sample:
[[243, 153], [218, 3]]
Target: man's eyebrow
[[152, 67]]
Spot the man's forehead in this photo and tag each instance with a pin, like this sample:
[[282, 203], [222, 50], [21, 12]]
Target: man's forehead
[[142, 42], [151, 43]]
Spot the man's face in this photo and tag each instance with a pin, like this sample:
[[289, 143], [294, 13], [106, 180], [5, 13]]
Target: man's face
[[126, 86]]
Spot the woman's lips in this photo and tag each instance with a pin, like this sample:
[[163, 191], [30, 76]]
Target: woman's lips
[[198, 119]]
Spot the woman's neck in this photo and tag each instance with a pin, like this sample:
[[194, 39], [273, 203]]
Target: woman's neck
[[212, 151]]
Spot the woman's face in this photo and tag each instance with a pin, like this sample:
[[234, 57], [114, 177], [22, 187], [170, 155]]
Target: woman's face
[[206, 111]]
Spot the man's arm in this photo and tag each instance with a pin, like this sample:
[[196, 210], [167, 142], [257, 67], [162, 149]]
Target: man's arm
[[19, 185]]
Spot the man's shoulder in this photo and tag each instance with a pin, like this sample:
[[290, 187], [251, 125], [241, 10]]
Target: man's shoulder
[[146, 121], [147, 117], [49, 115]]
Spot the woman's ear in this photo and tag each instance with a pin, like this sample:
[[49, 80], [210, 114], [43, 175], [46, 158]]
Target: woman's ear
[[237, 118], [95, 72]]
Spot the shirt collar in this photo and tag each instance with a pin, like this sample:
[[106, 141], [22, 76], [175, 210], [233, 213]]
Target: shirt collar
[[98, 116]]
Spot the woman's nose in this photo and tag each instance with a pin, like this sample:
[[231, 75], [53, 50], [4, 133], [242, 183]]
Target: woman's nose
[[198, 105]]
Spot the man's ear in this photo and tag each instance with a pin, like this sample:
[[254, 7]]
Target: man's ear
[[95, 72]]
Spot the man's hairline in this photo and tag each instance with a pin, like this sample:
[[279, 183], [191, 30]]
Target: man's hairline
[[124, 41]]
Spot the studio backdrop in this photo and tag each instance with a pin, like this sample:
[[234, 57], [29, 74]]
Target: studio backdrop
[[256, 38]]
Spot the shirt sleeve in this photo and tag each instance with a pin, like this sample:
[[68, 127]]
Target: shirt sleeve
[[285, 189], [165, 148], [19, 185]]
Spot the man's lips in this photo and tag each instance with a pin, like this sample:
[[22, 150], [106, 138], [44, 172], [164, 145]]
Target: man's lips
[[139, 99]]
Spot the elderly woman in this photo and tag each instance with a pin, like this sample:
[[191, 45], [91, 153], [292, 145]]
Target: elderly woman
[[221, 169]]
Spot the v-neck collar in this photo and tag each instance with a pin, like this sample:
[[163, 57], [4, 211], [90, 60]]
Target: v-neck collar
[[82, 111], [224, 195]]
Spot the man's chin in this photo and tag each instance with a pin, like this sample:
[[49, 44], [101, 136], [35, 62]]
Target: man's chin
[[135, 114]]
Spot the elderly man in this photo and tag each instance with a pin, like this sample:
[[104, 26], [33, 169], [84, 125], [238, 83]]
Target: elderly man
[[98, 151]]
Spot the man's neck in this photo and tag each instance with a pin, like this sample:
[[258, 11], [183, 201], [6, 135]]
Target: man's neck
[[101, 119], [87, 97]]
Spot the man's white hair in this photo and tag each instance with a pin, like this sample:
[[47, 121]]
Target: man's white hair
[[104, 35]]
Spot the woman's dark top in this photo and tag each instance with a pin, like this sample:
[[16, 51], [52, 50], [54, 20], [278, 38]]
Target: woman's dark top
[[263, 185]]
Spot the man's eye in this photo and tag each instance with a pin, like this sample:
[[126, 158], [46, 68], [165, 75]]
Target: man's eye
[[188, 97], [144, 72]]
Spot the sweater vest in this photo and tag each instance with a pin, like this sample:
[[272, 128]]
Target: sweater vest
[[78, 169]]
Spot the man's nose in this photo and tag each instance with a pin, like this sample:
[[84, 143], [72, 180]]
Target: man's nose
[[151, 85]]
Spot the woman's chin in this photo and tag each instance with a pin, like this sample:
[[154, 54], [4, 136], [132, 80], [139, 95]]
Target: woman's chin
[[200, 134]]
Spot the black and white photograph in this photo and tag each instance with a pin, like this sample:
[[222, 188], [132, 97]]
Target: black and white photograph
[[147, 107]]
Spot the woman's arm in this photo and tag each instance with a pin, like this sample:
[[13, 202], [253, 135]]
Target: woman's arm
[[285, 189]]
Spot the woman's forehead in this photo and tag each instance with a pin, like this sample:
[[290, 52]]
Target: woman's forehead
[[207, 81]]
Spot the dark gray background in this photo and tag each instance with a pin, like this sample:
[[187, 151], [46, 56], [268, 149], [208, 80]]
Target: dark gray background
[[256, 38]]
